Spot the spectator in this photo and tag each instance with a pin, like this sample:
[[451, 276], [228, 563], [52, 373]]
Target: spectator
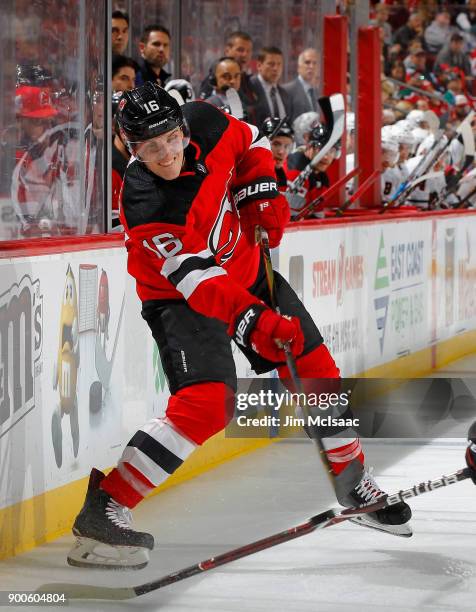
[[120, 32], [240, 46], [154, 47], [124, 70], [453, 56], [399, 14], [272, 100], [397, 71], [466, 22], [454, 86], [303, 90], [388, 91], [412, 30], [417, 61], [437, 33], [226, 73], [381, 20]]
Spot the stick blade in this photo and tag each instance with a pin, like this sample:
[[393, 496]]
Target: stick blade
[[87, 591], [234, 102]]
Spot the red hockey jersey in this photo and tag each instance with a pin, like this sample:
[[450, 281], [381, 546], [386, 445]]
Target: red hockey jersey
[[183, 236]]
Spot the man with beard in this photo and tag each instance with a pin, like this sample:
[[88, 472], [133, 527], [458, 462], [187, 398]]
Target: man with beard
[[154, 47]]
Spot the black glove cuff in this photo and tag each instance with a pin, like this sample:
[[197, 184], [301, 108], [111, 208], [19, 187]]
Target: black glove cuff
[[245, 322], [264, 188]]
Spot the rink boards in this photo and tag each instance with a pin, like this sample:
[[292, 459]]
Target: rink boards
[[79, 371], [390, 297]]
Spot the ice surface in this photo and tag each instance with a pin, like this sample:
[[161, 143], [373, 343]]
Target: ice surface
[[345, 568]]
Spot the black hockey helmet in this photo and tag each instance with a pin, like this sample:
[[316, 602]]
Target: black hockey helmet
[[274, 126], [319, 135], [146, 112]]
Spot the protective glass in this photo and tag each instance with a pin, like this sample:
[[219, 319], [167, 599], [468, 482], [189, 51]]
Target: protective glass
[[158, 148]]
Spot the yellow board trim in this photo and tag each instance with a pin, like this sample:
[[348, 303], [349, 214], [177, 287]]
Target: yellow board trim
[[50, 515]]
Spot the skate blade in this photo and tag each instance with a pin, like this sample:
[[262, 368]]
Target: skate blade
[[403, 531], [93, 554]]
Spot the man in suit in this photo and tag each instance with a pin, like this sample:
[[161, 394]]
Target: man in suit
[[271, 98], [303, 90]]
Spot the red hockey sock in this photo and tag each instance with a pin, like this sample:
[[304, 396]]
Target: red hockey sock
[[341, 456]]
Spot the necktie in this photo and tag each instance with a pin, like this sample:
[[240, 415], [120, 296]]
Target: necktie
[[312, 96], [274, 102]]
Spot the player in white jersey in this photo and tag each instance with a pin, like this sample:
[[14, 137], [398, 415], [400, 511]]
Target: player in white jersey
[[403, 134], [391, 176]]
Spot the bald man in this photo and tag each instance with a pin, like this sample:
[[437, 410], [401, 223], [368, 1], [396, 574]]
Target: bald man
[[304, 89]]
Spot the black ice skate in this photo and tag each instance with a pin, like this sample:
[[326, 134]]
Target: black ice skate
[[104, 535], [393, 519]]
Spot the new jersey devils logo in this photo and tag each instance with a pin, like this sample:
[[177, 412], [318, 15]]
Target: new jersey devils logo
[[225, 231]]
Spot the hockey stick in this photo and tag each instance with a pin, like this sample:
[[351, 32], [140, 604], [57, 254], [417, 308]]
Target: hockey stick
[[370, 180], [323, 520], [463, 203], [333, 109], [454, 181], [428, 161], [234, 102], [328, 193], [262, 236]]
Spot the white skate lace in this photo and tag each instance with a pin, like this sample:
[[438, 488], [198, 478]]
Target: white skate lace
[[367, 488], [119, 515]]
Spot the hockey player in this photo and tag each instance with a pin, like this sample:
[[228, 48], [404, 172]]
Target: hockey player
[[281, 137], [391, 176], [318, 181], [402, 132], [198, 185]]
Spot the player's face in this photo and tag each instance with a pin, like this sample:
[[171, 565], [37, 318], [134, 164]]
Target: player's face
[[240, 50], [389, 158], [271, 68], [120, 35], [326, 161], [404, 151], [124, 79], [157, 49], [163, 155], [228, 74], [308, 66], [280, 147]]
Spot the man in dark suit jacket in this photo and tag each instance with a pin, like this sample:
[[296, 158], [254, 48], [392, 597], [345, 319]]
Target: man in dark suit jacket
[[303, 90], [271, 99]]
